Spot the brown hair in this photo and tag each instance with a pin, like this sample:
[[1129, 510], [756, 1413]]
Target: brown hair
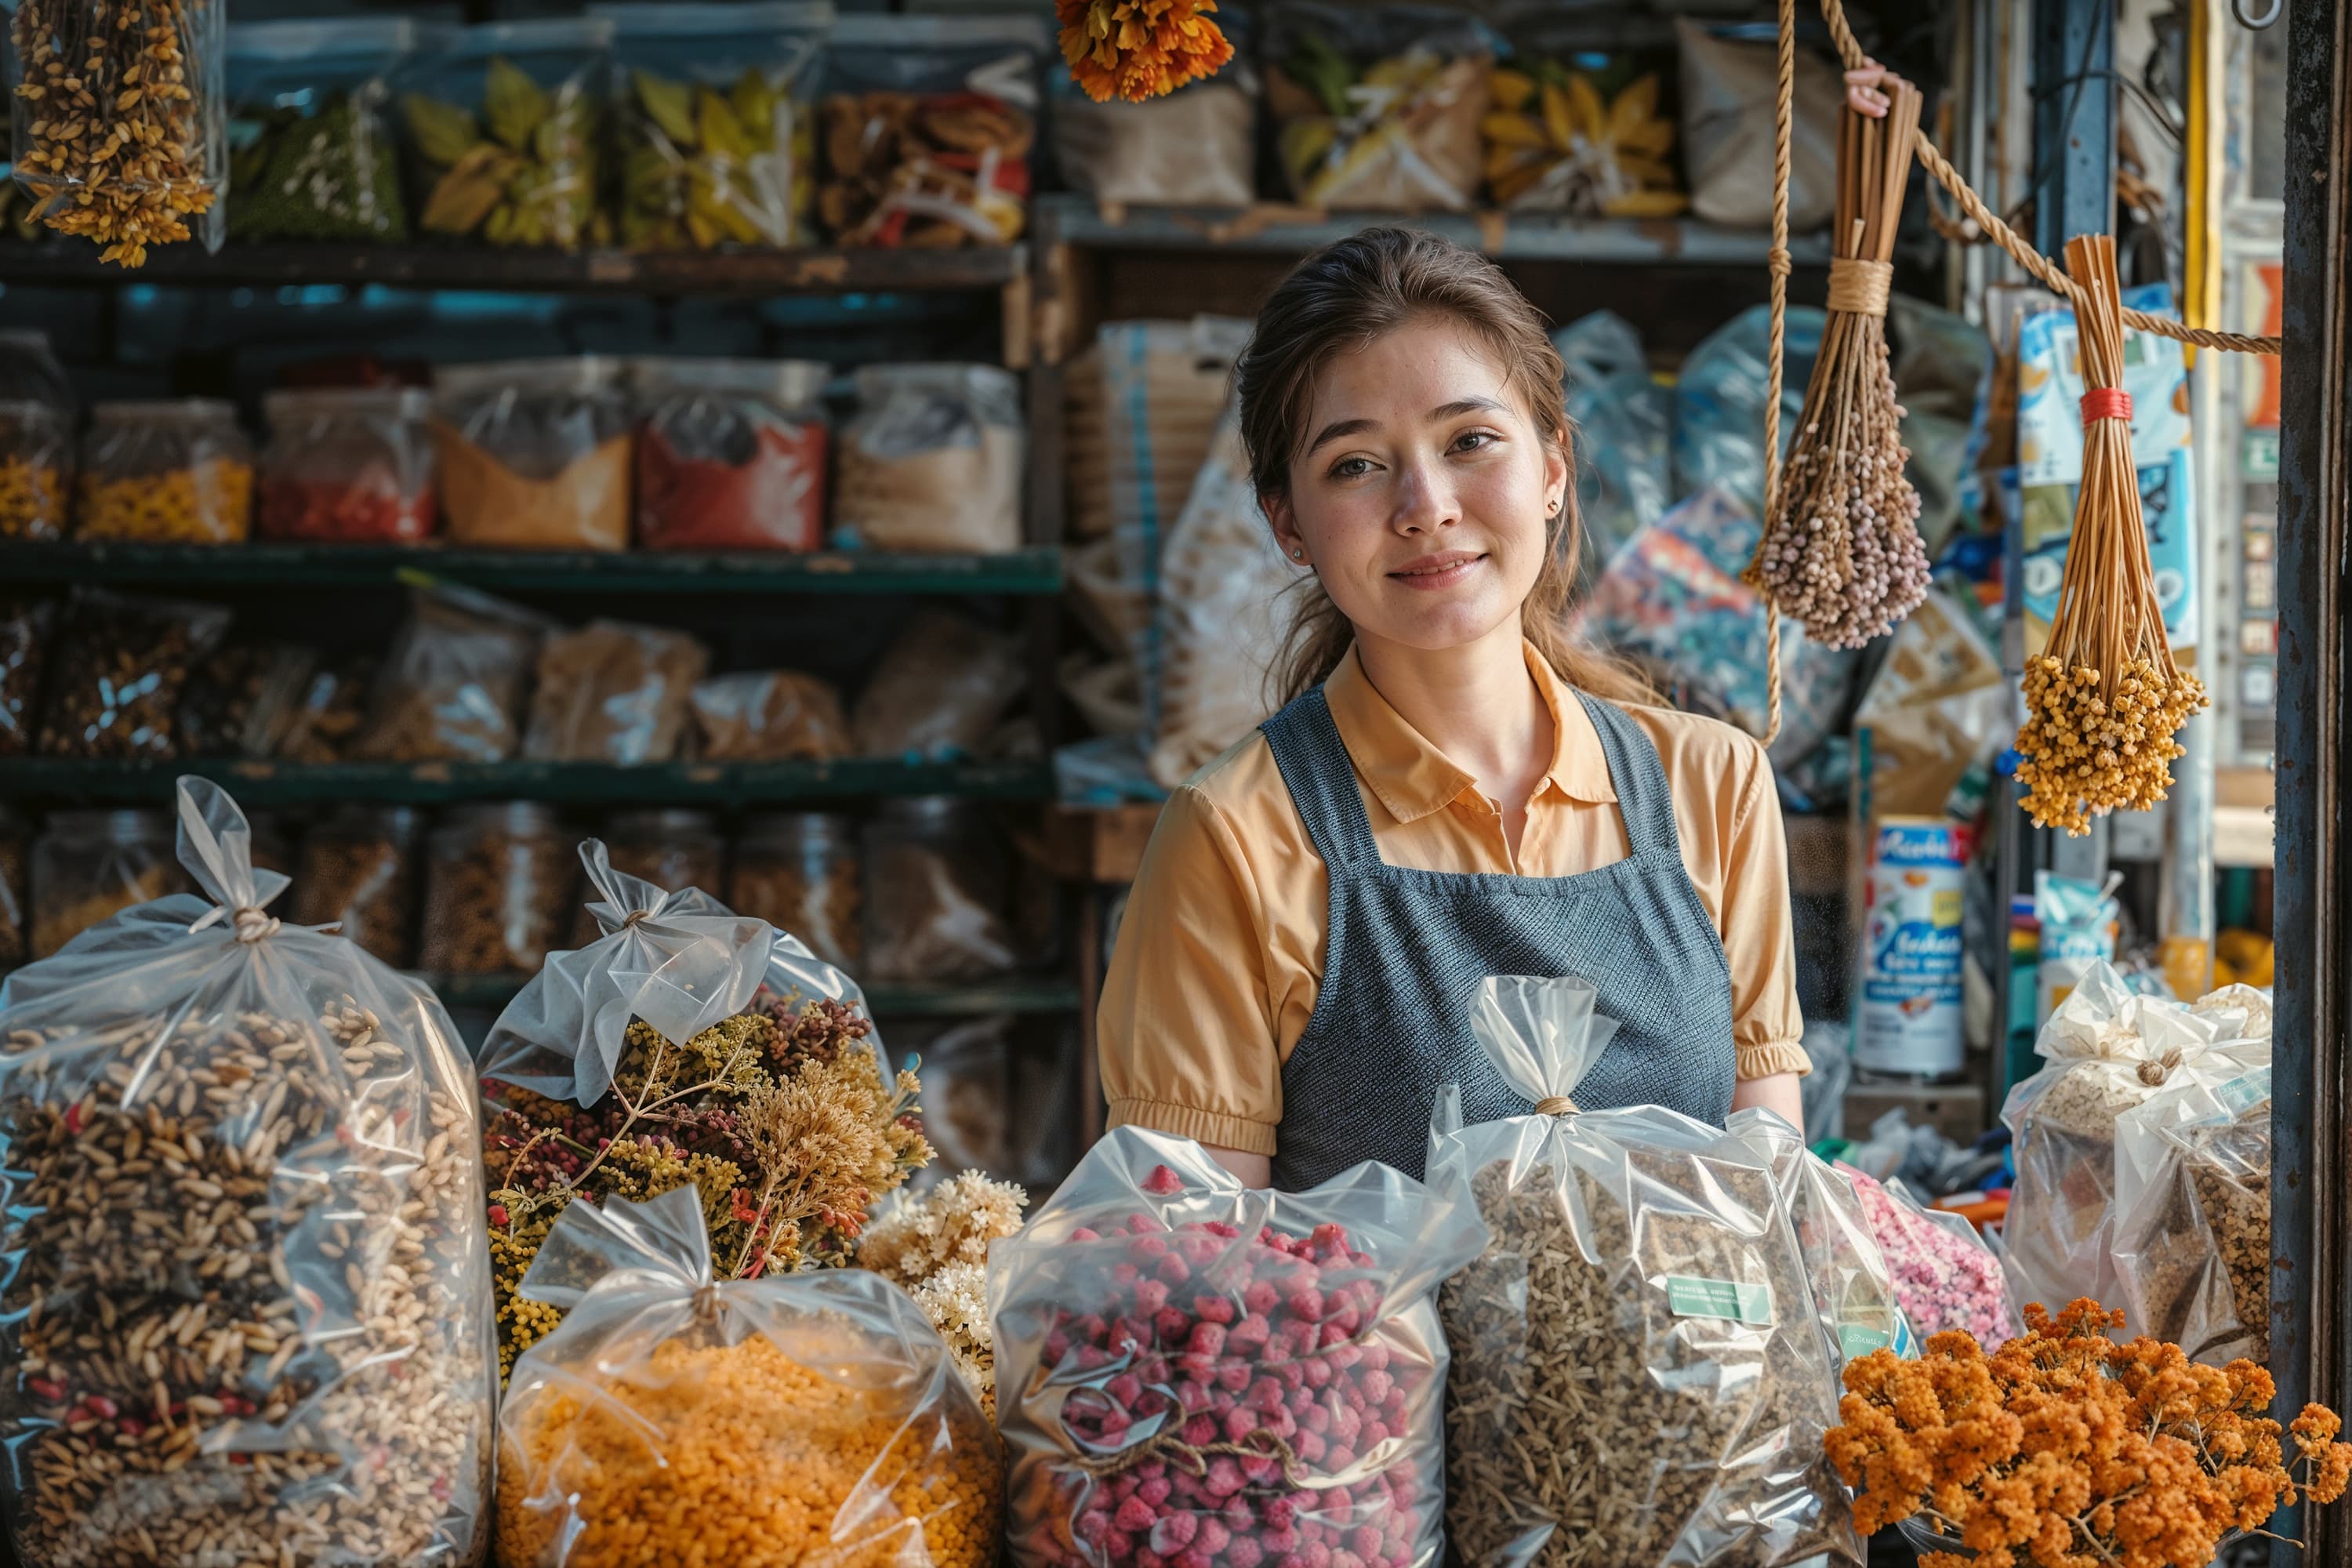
[[1344, 297]]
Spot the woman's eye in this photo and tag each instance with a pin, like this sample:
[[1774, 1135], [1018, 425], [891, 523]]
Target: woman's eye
[[1472, 440], [1352, 468]]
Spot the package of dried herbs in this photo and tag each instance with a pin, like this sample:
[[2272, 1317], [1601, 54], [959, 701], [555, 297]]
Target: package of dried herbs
[[1852, 1284], [250, 1319], [312, 154], [1639, 1373], [505, 131]]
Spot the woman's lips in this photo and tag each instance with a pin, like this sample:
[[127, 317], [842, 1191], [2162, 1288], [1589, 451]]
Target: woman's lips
[[1432, 572]]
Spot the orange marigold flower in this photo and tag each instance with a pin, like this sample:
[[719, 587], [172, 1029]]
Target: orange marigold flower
[[1139, 50]]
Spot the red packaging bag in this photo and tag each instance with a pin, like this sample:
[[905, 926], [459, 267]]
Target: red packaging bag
[[348, 465], [730, 454]]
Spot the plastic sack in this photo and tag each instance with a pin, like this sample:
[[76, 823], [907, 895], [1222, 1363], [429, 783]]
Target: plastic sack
[[930, 462], [1729, 87], [1622, 421], [770, 716], [348, 464], [535, 454], [117, 671], [679, 1416], [2106, 1049], [505, 126], [936, 894], [1184, 1365], [451, 690], [175, 471], [247, 1219], [1946, 1277], [939, 690], [730, 454], [1195, 147], [327, 721], [311, 151], [1718, 427], [613, 693], [36, 469], [1853, 1289], [1377, 109], [717, 146], [90, 866], [1582, 127], [241, 701], [24, 649], [1640, 1276]]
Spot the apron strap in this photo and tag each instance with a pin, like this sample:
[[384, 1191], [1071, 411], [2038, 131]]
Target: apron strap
[[1321, 778], [1644, 800]]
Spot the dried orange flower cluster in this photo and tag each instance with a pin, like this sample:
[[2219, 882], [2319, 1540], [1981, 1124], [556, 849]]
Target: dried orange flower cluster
[[1139, 50], [2064, 1450]]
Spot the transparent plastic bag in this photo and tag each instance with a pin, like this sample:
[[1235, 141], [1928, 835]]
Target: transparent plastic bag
[[36, 469], [770, 716], [1945, 1276], [1728, 89], [678, 1415], [348, 464], [313, 155], [247, 1212], [1186, 1364], [1640, 1276], [936, 894], [174, 471], [613, 693], [730, 454], [24, 650], [1719, 417], [1582, 124], [930, 462], [119, 668], [504, 125], [1378, 108], [90, 866], [241, 701], [452, 688], [534, 454], [1624, 422], [939, 690], [1195, 147], [1852, 1290], [2192, 1243]]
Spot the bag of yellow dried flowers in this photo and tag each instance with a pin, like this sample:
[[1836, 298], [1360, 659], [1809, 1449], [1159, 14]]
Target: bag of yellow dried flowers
[[1639, 1277], [684, 1415], [687, 1047], [2108, 1048]]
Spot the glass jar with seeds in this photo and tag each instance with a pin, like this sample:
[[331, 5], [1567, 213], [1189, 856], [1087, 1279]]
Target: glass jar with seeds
[[311, 153]]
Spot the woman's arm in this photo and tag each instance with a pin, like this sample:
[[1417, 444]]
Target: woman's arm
[[1776, 1092], [1250, 1170]]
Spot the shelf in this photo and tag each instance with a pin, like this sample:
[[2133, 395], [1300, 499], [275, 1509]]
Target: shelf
[[563, 783], [1269, 229], [1027, 571], [702, 273], [1026, 994]]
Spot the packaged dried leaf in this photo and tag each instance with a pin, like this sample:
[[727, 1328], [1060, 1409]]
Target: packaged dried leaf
[[535, 454], [505, 132], [929, 131], [613, 693], [451, 690], [1378, 109], [930, 462], [717, 145], [1639, 1277], [252, 1320], [312, 152], [770, 716], [119, 668], [730, 454], [1853, 1289], [1581, 128], [176, 471], [683, 1414], [1188, 1366]]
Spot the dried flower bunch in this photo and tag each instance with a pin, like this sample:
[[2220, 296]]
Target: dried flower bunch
[[2103, 699], [2065, 1450], [1841, 550], [1139, 50], [779, 1116], [935, 1246], [114, 117]]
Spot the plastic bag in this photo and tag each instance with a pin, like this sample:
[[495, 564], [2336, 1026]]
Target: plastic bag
[[1195, 147], [311, 151], [770, 716], [1582, 128], [325, 725], [1719, 425], [505, 126], [1945, 1275], [241, 701], [1729, 87], [1853, 1289], [535, 454], [1186, 1364], [1624, 422], [939, 690], [936, 894], [931, 460], [1640, 1276], [451, 689], [800, 871], [717, 146], [24, 650], [612, 692], [36, 469], [499, 881], [308, 1378], [348, 464], [928, 129], [730, 454], [2107, 1048], [174, 471], [15, 890], [117, 671], [90, 866], [967, 1092], [1377, 109], [680, 1415], [2192, 1245]]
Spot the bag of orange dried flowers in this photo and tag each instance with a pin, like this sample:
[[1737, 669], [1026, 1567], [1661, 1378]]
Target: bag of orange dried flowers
[[1641, 1277], [685, 1414]]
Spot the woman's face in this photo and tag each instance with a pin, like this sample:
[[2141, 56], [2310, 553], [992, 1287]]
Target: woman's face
[[1423, 493]]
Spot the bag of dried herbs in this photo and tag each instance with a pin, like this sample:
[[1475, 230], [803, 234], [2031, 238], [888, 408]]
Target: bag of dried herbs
[[1191, 1371], [311, 154], [1377, 109], [1639, 1371], [2193, 1234], [2107, 1048], [1853, 1289], [248, 1315], [687, 1047], [718, 140], [505, 127]]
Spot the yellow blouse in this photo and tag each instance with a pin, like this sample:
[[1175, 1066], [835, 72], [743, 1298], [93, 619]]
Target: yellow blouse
[[1219, 953]]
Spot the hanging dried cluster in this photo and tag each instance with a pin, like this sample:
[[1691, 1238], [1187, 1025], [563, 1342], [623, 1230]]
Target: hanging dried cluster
[[1139, 50], [2104, 700], [1842, 550]]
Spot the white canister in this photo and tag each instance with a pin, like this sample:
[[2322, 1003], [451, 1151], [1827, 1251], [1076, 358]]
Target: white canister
[[1907, 996]]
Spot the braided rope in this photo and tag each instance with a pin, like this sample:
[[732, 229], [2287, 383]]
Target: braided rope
[[1783, 108]]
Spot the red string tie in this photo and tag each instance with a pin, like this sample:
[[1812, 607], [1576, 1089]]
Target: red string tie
[[2106, 402]]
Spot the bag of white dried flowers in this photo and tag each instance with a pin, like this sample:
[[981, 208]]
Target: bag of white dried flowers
[[1638, 1375], [1853, 1287], [2107, 1048], [249, 1315]]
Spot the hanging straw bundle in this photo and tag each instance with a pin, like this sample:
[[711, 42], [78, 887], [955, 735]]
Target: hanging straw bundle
[[2104, 700], [1842, 550]]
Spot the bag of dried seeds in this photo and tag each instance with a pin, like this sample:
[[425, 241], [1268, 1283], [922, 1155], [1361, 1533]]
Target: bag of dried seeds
[[1853, 1290], [505, 124], [682, 1413], [250, 1316], [930, 462], [117, 671], [311, 152], [534, 454], [452, 688], [1189, 1370], [2107, 1050], [1639, 1374], [614, 692]]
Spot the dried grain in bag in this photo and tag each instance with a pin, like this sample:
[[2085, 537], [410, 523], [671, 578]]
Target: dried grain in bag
[[678, 1415], [534, 454], [252, 1318], [2106, 1050], [1639, 1374], [452, 688], [939, 690], [930, 461], [1378, 108], [1188, 1366], [770, 716], [1853, 1289], [614, 692]]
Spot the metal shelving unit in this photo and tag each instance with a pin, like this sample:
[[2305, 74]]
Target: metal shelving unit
[[1020, 993]]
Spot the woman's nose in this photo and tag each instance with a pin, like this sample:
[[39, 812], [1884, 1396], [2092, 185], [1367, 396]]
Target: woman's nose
[[1425, 500]]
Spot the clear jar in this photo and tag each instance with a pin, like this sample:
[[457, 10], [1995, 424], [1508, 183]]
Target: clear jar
[[534, 454], [935, 892], [15, 894], [671, 850], [36, 469], [730, 454], [798, 870], [348, 464], [88, 865], [175, 471], [498, 882], [359, 869]]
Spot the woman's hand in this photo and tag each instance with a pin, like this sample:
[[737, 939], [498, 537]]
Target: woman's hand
[[1862, 94]]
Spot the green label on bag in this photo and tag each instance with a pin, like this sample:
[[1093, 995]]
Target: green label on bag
[[2245, 1091], [1689, 1298], [1853, 1339]]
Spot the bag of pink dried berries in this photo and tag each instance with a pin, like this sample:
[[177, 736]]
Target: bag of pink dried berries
[[1192, 1373]]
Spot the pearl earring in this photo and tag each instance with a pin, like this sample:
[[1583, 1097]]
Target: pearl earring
[[1297, 554]]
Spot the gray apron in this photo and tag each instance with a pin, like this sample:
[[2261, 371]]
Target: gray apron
[[1407, 949]]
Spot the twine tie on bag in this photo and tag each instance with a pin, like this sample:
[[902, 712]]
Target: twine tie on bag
[[636, 916], [251, 923], [1555, 1105], [1170, 1447], [2153, 1074], [706, 1304]]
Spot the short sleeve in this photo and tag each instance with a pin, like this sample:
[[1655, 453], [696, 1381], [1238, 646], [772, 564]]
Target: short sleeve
[[1768, 1028], [1184, 1032]]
